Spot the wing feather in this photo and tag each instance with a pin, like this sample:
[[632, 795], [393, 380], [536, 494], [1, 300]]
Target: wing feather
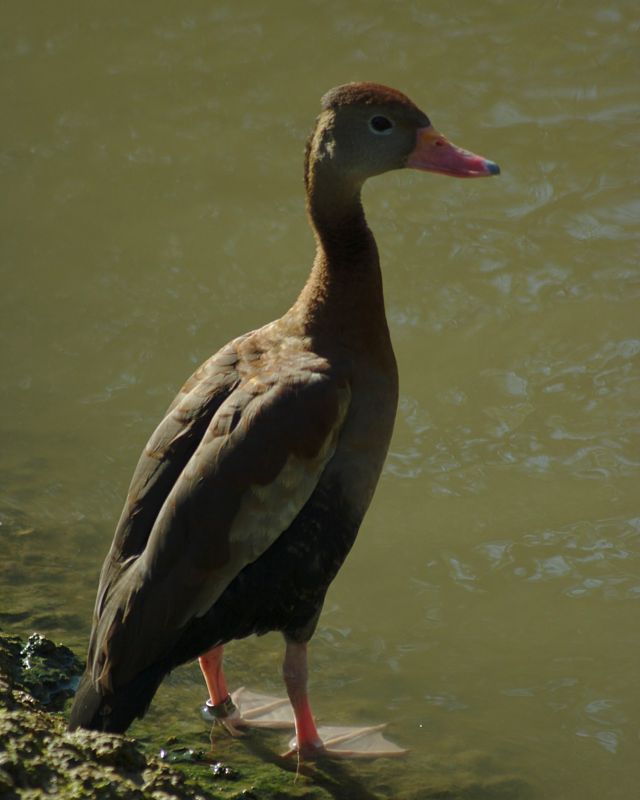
[[257, 463], [164, 457]]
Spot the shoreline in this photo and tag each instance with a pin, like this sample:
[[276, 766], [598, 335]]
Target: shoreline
[[40, 758]]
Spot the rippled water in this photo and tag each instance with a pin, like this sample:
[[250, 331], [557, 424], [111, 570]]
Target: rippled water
[[152, 210]]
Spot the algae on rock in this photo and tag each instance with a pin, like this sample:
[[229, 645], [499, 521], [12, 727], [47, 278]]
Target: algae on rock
[[40, 758]]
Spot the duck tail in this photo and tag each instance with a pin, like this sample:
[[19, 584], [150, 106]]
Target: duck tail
[[114, 711]]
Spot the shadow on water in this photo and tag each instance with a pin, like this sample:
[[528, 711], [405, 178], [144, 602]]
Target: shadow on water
[[335, 777], [441, 768], [377, 779]]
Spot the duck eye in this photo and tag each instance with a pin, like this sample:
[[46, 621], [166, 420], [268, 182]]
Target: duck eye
[[379, 124]]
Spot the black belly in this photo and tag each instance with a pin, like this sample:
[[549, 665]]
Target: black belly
[[284, 589]]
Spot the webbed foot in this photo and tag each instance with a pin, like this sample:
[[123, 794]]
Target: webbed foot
[[347, 742]]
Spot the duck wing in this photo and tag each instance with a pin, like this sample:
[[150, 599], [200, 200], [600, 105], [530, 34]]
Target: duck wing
[[226, 472]]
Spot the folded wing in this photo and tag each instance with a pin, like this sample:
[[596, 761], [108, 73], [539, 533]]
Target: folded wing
[[230, 467]]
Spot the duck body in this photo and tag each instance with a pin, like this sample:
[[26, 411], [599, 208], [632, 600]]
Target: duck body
[[250, 493], [285, 587], [307, 471]]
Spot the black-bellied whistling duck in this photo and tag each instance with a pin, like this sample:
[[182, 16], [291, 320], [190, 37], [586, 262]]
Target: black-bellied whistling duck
[[250, 493]]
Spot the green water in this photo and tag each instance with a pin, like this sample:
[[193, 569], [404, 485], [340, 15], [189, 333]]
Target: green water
[[152, 209]]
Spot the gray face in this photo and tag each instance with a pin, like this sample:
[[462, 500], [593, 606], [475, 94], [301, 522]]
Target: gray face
[[362, 140]]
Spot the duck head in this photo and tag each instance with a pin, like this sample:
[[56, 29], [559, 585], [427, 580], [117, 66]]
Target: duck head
[[366, 129]]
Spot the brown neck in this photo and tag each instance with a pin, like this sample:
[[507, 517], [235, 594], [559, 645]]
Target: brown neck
[[344, 290]]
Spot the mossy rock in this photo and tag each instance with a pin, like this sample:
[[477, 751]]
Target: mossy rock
[[45, 671], [40, 758]]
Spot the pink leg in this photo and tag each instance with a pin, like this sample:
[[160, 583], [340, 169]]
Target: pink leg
[[219, 706], [211, 666], [294, 671]]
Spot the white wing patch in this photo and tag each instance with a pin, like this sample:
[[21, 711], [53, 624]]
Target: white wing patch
[[267, 511]]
